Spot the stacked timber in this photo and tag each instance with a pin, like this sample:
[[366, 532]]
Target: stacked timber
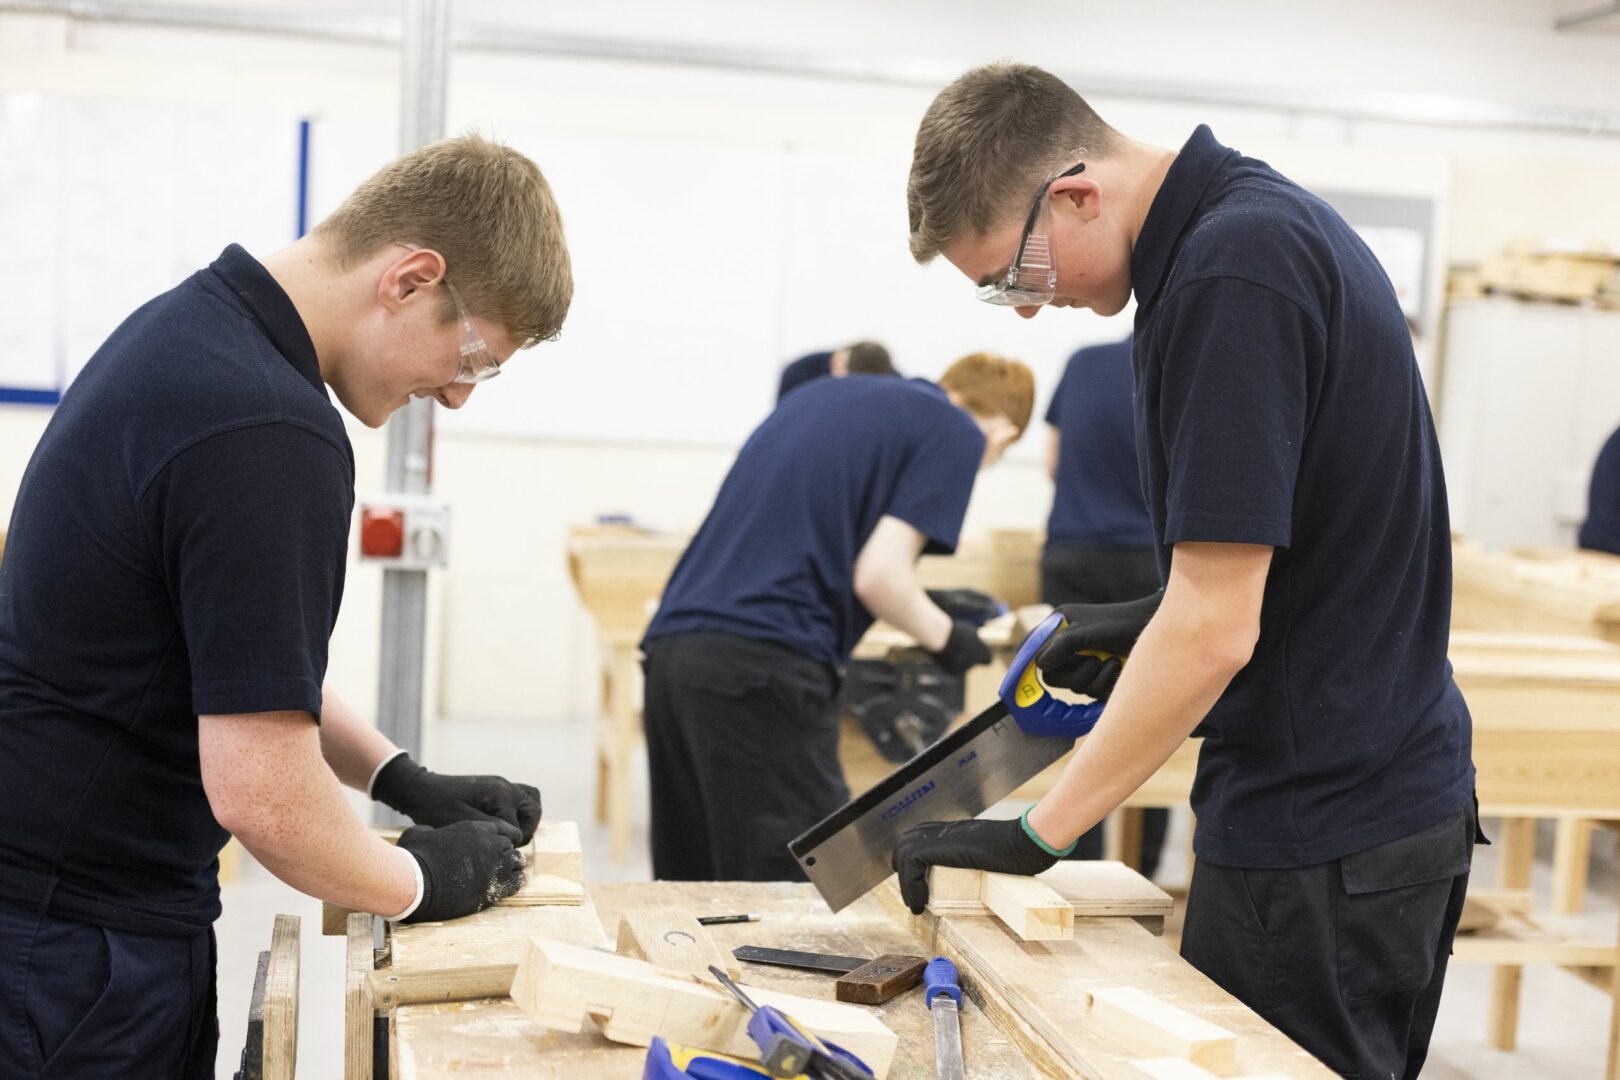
[[1550, 270]]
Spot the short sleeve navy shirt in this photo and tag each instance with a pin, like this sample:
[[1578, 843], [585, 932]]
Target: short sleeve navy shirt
[[812, 366], [177, 549], [1097, 496], [1601, 530], [1279, 403], [775, 559]]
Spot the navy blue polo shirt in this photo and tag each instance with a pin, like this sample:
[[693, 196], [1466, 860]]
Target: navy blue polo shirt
[[1098, 489], [813, 366], [775, 559], [1279, 403], [1601, 530], [177, 549]]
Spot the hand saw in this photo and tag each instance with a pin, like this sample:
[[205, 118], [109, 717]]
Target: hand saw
[[980, 763]]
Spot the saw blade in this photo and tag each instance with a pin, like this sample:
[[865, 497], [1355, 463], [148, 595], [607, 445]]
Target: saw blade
[[847, 854]]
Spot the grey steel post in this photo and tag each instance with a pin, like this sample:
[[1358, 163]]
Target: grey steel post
[[424, 56]]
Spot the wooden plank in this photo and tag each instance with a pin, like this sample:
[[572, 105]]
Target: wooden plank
[[1035, 991], [1030, 908], [281, 1001], [493, 937], [391, 989], [1089, 888], [1153, 1028], [358, 1010], [671, 938], [555, 851], [561, 986]]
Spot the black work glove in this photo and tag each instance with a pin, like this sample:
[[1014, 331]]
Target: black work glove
[[969, 604], [963, 649], [1109, 628], [430, 798], [1001, 846], [466, 867]]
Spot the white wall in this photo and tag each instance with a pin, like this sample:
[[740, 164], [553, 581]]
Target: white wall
[[512, 639]]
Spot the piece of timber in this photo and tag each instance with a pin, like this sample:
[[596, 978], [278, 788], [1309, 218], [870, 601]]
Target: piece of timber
[[561, 986], [1044, 908], [1147, 1026], [1035, 991], [358, 1007], [392, 988], [555, 850], [281, 1001], [493, 937], [1030, 908], [880, 980], [670, 937]]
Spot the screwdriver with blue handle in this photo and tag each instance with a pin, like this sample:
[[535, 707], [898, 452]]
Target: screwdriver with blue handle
[[788, 1050]]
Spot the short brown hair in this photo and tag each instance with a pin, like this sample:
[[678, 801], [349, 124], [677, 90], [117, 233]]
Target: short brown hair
[[488, 210], [985, 145], [869, 358], [987, 385]]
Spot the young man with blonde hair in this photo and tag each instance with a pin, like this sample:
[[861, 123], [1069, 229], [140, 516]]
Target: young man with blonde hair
[[815, 532], [174, 571], [1294, 485]]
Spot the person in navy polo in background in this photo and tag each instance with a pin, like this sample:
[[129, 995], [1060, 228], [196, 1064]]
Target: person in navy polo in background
[[861, 358], [1601, 529], [814, 533], [175, 567], [1099, 540], [1293, 479]]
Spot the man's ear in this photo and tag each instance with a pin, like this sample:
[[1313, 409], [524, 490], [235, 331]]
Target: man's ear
[[406, 277], [1079, 194]]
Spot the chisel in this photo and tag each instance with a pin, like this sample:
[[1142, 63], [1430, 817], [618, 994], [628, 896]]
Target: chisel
[[943, 994]]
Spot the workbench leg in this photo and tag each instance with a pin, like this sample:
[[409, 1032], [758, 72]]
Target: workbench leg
[[1130, 836], [621, 743], [1569, 864], [359, 1014], [1518, 848]]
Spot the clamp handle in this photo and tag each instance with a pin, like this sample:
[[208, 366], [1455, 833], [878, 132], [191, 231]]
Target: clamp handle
[[1028, 700], [939, 977]]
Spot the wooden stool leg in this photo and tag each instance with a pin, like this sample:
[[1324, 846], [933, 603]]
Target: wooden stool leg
[[603, 737], [1569, 865], [1518, 844]]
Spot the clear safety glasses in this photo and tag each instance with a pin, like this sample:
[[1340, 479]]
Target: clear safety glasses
[[477, 365], [1031, 280]]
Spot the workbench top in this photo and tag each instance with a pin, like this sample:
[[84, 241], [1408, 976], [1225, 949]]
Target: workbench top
[[496, 1037]]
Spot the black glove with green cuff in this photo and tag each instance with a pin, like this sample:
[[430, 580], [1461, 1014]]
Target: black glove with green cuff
[[1005, 847], [963, 649]]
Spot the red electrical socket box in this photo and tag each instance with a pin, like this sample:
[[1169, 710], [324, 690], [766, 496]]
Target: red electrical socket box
[[382, 532]]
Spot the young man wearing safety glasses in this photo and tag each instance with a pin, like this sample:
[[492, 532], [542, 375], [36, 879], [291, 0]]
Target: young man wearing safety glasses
[[1294, 485], [174, 571]]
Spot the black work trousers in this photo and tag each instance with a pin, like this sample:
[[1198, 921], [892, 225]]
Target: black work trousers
[[742, 752], [86, 1001], [1347, 957], [1099, 574]]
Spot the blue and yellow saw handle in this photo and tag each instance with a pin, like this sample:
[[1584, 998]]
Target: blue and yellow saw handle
[[1032, 704]]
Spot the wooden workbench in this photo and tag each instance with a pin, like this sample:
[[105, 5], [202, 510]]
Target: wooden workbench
[[493, 1036]]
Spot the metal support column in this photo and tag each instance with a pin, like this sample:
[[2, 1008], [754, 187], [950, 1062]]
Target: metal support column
[[424, 56]]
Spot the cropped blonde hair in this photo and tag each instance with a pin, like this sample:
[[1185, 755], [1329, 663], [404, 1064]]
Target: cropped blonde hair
[[488, 211], [984, 145]]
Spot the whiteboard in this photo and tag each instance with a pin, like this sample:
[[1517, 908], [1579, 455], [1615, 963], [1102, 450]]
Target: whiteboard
[[106, 204]]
